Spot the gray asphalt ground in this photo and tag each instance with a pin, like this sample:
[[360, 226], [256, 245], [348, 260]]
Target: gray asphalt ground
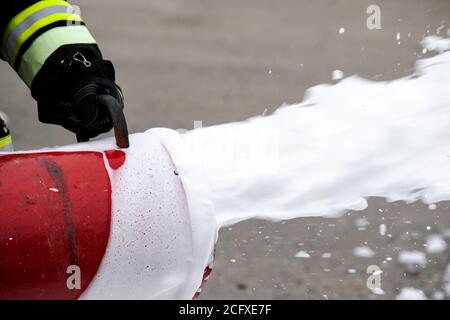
[[225, 60]]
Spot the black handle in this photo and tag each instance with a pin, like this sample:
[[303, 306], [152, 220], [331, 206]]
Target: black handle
[[118, 118]]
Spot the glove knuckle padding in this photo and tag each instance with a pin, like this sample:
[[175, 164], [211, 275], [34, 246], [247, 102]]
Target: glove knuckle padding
[[67, 90]]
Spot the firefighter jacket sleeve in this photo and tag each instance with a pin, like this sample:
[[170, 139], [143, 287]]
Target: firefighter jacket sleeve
[[49, 46]]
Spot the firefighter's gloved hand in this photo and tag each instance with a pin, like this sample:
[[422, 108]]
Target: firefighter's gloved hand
[[85, 114], [68, 86]]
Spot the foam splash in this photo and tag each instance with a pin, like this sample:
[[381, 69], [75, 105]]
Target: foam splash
[[343, 144]]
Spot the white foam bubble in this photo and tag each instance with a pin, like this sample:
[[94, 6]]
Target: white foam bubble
[[435, 244], [413, 258], [302, 254], [363, 252], [337, 75], [382, 229], [436, 43], [409, 293]]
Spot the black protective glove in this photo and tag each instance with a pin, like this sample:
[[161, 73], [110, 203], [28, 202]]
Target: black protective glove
[[67, 90]]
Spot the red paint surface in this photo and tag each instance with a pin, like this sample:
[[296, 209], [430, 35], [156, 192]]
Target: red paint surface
[[42, 232], [116, 158], [206, 275]]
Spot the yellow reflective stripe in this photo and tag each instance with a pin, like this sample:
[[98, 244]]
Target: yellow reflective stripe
[[26, 13], [5, 141], [27, 23], [36, 55], [38, 25]]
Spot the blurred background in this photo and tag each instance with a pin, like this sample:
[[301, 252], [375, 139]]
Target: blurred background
[[217, 61]]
